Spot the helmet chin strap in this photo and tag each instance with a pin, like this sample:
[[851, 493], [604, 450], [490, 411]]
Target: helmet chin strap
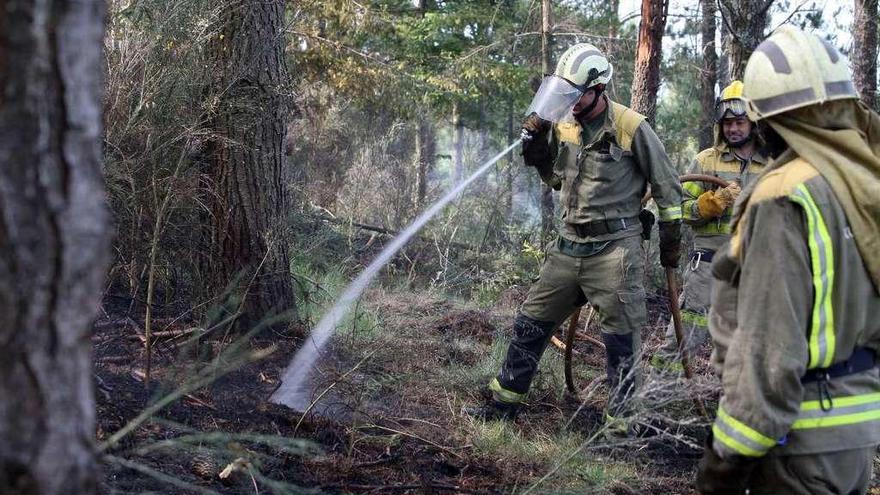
[[586, 111]]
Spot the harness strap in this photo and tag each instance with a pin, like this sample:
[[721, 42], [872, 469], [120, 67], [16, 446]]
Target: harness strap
[[862, 359]]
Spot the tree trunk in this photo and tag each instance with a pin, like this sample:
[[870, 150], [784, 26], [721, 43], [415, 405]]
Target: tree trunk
[[54, 242], [864, 58], [457, 144], [425, 152], [746, 21], [646, 78], [546, 68], [249, 201], [723, 70], [708, 74], [609, 46]]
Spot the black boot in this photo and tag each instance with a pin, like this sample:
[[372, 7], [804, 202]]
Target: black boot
[[493, 410], [530, 338], [618, 367]]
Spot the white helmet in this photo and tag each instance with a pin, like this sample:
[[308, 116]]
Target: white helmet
[[585, 66], [793, 69]]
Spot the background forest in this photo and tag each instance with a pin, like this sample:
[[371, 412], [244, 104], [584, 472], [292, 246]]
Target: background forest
[[256, 155]]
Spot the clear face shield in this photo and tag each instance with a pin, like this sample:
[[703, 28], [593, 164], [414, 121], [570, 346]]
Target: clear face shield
[[555, 100]]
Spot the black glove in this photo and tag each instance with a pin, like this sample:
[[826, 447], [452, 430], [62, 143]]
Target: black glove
[[647, 220], [717, 476], [533, 126], [670, 243]]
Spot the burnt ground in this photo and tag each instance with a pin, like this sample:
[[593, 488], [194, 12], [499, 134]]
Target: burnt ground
[[393, 424]]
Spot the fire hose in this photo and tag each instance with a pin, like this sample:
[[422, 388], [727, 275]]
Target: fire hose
[[674, 308]]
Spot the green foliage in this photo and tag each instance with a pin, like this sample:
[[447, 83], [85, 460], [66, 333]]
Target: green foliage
[[153, 110], [678, 112], [508, 270]]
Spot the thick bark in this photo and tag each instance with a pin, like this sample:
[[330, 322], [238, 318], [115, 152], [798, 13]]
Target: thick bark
[[54, 242], [646, 78], [546, 68], [864, 58], [746, 21], [708, 73], [249, 201]]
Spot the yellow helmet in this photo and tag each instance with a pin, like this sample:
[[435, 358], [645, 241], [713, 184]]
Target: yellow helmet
[[731, 103], [793, 69], [584, 66]]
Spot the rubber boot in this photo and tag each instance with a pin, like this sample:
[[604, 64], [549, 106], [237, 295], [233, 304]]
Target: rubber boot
[[621, 382], [530, 338]]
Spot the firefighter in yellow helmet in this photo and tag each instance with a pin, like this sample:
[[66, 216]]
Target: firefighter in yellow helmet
[[708, 209], [601, 156], [800, 408]]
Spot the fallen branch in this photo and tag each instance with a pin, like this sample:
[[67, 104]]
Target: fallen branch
[[450, 450]]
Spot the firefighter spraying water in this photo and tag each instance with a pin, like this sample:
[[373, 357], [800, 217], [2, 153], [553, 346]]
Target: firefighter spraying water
[[601, 156]]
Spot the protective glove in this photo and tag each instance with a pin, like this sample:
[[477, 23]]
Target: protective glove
[[670, 243], [532, 126], [710, 206], [729, 193], [718, 476]]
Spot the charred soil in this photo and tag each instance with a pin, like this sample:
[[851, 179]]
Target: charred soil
[[395, 424]]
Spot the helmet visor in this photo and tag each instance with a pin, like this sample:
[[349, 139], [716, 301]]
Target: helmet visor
[[730, 109], [555, 99]]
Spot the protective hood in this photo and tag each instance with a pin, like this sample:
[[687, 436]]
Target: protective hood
[[842, 140], [555, 100]]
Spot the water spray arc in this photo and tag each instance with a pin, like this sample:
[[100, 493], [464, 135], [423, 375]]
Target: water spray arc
[[294, 391]]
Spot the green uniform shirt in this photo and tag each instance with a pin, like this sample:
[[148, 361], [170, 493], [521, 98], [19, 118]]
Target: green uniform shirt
[[798, 297], [604, 177], [721, 162]]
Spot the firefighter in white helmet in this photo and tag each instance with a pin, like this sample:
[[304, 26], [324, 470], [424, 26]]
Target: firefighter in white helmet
[[800, 408], [601, 156]]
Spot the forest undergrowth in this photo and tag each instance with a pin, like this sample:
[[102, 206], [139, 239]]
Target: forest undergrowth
[[387, 415]]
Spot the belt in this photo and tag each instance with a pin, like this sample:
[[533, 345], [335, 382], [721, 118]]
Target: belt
[[699, 255], [602, 227], [862, 359]]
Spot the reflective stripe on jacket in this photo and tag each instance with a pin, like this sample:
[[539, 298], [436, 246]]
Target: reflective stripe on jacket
[[720, 162], [803, 301]]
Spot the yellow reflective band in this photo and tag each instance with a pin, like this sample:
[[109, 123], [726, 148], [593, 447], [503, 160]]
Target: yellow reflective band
[[853, 400], [690, 211], [734, 444], [822, 339], [670, 214], [714, 227], [840, 420], [693, 188], [502, 394], [744, 429]]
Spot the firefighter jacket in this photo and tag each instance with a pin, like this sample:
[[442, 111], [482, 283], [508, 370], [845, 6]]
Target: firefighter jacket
[[604, 173], [803, 303], [720, 161]]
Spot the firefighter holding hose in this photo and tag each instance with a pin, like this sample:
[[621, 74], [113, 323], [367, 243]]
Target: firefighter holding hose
[[601, 156], [708, 209]]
